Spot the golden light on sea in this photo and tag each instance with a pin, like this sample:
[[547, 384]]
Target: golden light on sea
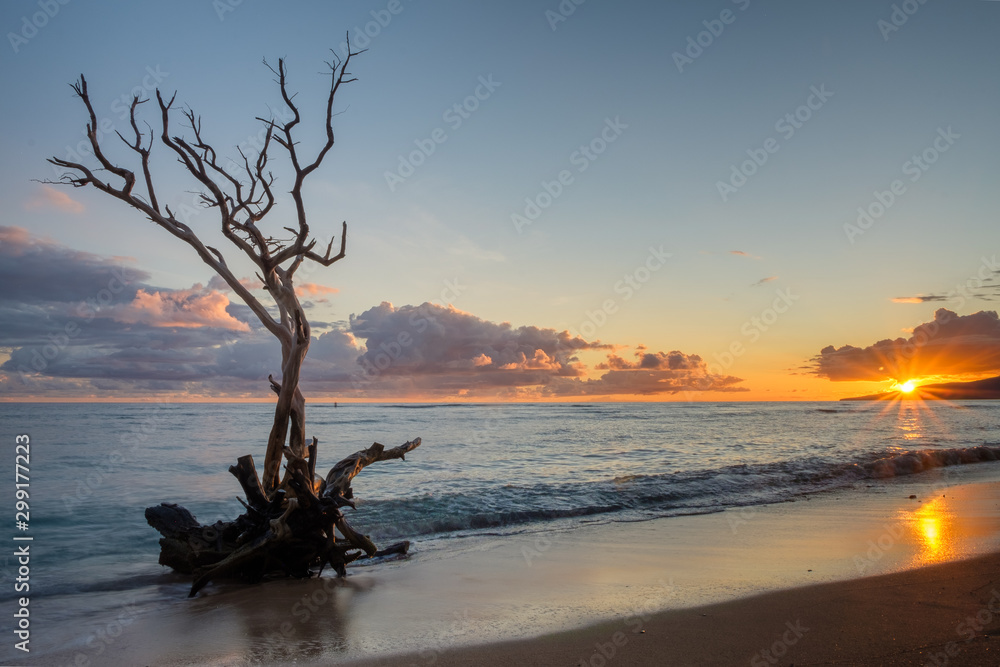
[[931, 523]]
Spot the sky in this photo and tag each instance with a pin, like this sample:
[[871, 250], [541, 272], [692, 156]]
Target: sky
[[683, 201]]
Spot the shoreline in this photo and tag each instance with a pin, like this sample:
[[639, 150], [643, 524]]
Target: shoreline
[[945, 614], [550, 596], [925, 591]]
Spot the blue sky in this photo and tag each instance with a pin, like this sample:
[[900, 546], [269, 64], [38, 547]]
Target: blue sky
[[556, 85]]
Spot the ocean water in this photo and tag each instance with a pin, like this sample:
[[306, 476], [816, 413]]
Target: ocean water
[[482, 470]]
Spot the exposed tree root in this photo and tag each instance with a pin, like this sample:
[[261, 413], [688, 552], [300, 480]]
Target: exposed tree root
[[291, 533]]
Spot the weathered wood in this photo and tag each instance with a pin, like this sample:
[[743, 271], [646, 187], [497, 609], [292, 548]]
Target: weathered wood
[[357, 539], [397, 549], [186, 545], [313, 452], [246, 473], [236, 561], [338, 480], [292, 533], [171, 520]]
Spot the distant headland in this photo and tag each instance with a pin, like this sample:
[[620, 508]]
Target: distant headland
[[949, 391]]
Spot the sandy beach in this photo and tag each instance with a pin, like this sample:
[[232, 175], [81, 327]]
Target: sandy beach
[[939, 615], [866, 576], [938, 605]]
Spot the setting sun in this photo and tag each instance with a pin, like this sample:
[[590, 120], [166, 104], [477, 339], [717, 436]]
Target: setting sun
[[907, 387]]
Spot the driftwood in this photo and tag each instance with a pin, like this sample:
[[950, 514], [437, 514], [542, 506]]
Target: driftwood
[[294, 532]]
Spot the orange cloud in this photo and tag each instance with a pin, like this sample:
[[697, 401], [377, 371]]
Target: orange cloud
[[919, 298], [17, 241], [538, 361], [655, 373], [49, 197], [218, 284], [949, 345], [191, 308], [312, 289]]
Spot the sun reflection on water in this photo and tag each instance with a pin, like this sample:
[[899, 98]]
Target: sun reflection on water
[[909, 420], [932, 525]]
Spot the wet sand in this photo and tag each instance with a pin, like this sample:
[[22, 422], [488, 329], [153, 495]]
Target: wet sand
[[680, 590], [939, 615]]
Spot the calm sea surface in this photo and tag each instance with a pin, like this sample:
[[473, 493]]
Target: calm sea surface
[[482, 469]]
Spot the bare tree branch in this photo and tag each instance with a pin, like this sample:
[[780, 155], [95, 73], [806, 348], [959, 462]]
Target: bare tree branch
[[242, 198]]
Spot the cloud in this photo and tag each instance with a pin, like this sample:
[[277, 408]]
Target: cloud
[[217, 283], [764, 281], [431, 350], [740, 253], [196, 307], [305, 289], [71, 319], [312, 289], [652, 361], [920, 298], [433, 340], [49, 197], [465, 247], [658, 373], [948, 345], [38, 270], [83, 325]]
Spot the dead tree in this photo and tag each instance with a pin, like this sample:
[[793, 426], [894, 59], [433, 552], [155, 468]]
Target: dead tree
[[290, 518]]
